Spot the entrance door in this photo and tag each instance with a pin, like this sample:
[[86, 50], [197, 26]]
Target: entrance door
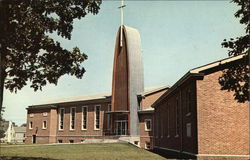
[[121, 127], [33, 138]]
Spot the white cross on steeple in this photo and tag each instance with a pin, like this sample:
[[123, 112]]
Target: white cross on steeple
[[121, 8]]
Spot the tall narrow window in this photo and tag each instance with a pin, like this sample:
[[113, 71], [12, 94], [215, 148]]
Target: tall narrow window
[[148, 125], [177, 117], [168, 118], [188, 101], [44, 126], [97, 117], [72, 118], [84, 117], [108, 117], [31, 125], [61, 118]]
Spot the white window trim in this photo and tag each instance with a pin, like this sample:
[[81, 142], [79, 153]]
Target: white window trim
[[30, 126], [145, 123], [43, 125], [59, 123], [86, 118], [146, 145], [45, 114], [70, 119], [99, 118], [31, 115]]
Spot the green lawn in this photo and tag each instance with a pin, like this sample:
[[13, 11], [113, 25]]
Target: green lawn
[[114, 151]]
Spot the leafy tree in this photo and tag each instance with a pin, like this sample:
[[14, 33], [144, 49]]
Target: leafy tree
[[2, 133], [28, 53], [236, 78], [23, 125]]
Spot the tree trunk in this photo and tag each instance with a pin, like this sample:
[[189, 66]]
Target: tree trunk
[[4, 17]]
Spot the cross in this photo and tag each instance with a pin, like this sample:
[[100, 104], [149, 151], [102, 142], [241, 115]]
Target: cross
[[121, 8]]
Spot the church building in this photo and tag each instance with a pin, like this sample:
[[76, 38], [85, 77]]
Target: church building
[[193, 117], [126, 114]]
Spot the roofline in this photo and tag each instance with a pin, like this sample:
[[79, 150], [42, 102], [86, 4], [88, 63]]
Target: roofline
[[197, 72], [217, 63], [39, 106], [154, 91]]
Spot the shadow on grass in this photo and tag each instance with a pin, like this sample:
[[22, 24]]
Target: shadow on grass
[[25, 158], [172, 155]]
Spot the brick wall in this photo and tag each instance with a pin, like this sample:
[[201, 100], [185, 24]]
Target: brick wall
[[146, 136], [223, 123]]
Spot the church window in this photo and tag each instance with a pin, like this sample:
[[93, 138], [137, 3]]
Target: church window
[[61, 118], [189, 131], [97, 117], [31, 125], [177, 117], [72, 118], [44, 125], [84, 117], [148, 125]]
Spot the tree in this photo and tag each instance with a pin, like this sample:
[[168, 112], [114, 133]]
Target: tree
[[236, 78], [23, 125], [28, 53], [2, 132]]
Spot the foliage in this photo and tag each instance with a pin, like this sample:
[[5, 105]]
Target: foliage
[[28, 53], [236, 78], [24, 125]]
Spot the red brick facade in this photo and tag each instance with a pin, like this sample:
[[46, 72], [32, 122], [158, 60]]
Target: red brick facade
[[196, 117]]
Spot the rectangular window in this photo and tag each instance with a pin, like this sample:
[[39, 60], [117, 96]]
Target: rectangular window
[[147, 145], [72, 118], [188, 101], [31, 125], [60, 141], [84, 117], [177, 117], [148, 124], [189, 131], [61, 118], [97, 117], [45, 114], [71, 141], [44, 125], [168, 119]]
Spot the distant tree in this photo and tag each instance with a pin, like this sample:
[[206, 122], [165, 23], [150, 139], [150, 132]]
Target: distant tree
[[28, 53], [236, 78], [23, 125]]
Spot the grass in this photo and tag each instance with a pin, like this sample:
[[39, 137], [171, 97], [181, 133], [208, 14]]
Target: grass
[[114, 151]]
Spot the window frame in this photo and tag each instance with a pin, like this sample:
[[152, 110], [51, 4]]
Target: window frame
[[30, 125], [99, 117], [43, 124], [70, 120], [83, 117], [59, 123], [145, 125], [190, 125]]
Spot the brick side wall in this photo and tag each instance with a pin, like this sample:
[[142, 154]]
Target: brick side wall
[[223, 124], [42, 135], [146, 136], [78, 134], [166, 134]]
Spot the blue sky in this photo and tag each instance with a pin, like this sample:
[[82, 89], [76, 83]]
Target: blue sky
[[176, 36]]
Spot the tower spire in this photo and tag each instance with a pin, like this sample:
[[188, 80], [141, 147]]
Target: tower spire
[[121, 8]]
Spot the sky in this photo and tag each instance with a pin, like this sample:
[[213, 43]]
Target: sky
[[176, 36]]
